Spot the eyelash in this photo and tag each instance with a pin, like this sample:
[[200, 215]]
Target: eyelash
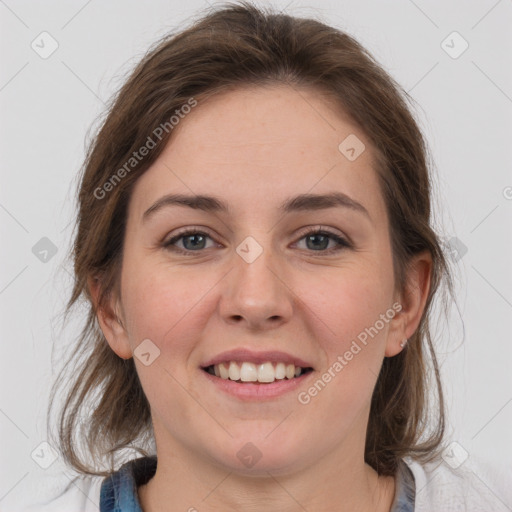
[[342, 242]]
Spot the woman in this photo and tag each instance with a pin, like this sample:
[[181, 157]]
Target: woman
[[255, 247]]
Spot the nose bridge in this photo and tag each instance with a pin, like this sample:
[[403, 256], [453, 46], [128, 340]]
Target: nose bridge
[[255, 292]]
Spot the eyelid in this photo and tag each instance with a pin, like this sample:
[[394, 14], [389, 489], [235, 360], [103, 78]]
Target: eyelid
[[318, 228], [189, 230], [343, 242]]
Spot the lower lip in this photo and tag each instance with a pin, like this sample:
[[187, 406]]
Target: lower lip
[[254, 390]]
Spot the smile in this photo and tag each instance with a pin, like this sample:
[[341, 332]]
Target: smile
[[263, 373]]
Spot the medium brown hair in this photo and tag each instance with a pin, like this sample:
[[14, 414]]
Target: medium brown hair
[[105, 409]]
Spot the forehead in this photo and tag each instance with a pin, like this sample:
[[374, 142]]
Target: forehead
[[266, 144]]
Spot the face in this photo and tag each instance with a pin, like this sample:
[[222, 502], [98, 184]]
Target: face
[[307, 283]]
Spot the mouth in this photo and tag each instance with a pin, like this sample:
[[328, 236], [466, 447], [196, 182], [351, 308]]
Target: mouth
[[249, 375], [259, 373]]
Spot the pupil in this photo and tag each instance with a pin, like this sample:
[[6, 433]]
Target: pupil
[[325, 239], [194, 244]]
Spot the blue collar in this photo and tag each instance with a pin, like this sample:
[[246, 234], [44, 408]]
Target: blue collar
[[405, 493], [119, 490]]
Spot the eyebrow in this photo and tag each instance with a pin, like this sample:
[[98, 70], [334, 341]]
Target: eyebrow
[[302, 202]]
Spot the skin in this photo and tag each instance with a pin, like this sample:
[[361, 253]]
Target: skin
[[254, 148]]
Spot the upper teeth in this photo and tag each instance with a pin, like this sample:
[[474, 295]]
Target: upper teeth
[[250, 372]]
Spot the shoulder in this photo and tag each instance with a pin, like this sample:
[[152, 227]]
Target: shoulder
[[56, 492], [475, 485]]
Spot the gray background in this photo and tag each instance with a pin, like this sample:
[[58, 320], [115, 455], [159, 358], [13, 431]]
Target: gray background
[[49, 104]]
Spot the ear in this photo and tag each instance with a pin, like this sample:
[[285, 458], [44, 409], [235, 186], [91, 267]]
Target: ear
[[412, 300], [110, 319]]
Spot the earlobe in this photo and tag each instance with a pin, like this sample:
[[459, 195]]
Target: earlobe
[[413, 300], [109, 320]]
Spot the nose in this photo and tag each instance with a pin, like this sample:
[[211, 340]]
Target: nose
[[256, 294]]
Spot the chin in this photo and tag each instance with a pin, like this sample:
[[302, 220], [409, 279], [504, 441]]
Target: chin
[[261, 458]]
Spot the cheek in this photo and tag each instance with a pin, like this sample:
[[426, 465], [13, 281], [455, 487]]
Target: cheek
[[347, 304], [164, 304], [350, 323], [359, 312]]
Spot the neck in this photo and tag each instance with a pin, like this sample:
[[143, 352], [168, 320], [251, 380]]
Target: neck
[[341, 484]]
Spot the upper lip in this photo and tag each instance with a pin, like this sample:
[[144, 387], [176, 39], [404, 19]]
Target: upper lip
[[245, 355]]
